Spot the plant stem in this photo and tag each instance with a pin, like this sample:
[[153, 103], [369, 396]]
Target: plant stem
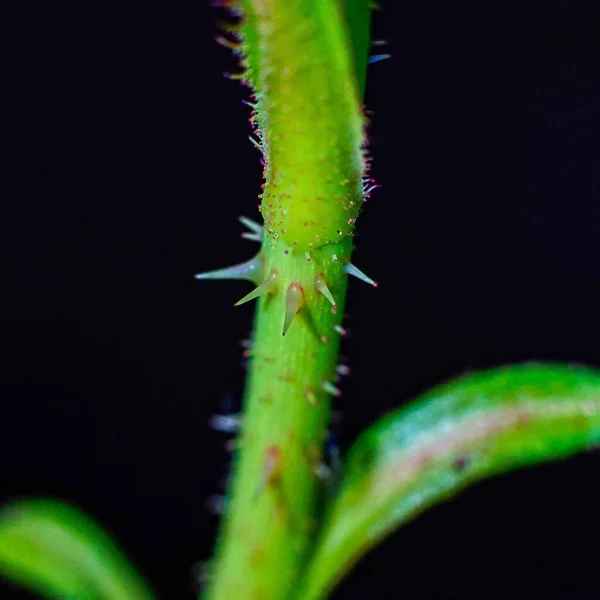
[[272, 518], [298, 60]]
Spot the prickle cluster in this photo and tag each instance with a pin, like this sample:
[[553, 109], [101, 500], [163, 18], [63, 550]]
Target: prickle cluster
[[269, 281]]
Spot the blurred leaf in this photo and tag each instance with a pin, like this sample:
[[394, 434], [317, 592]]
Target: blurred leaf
[[58, 552], [459, 433]]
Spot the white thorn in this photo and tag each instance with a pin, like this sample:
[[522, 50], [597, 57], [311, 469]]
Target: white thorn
[[343, 370], [329, 388], [253, 237], [378, 57], [253, 226], [267, 286], [355, 272], [321, 287], [225, 423], [251, 270]]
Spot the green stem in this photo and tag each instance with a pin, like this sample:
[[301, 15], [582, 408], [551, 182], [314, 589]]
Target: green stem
[[273, 512], [298, 56]]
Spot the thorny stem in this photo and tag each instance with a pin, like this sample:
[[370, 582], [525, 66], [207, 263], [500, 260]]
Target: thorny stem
[[272, 515], [298, 59]]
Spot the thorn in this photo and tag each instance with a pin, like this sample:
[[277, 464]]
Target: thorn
[[268, 285], [294, 299], [321, 287], [329, 388], [231, 5], [355, 272], [256, 231], [251, 270], [234, 76], [256, 144], [225, 423], [367, 191], [231, 45], [253, 226], [343, 370], [378, 57], [229, 27], [340, 330], [253, 237]]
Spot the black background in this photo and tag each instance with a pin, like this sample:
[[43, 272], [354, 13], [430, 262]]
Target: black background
[[125, 166]]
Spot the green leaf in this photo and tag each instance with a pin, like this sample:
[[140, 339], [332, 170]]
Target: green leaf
[[459, 433], [58, 552]]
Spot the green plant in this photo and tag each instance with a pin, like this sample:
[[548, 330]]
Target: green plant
[[307, 63]]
